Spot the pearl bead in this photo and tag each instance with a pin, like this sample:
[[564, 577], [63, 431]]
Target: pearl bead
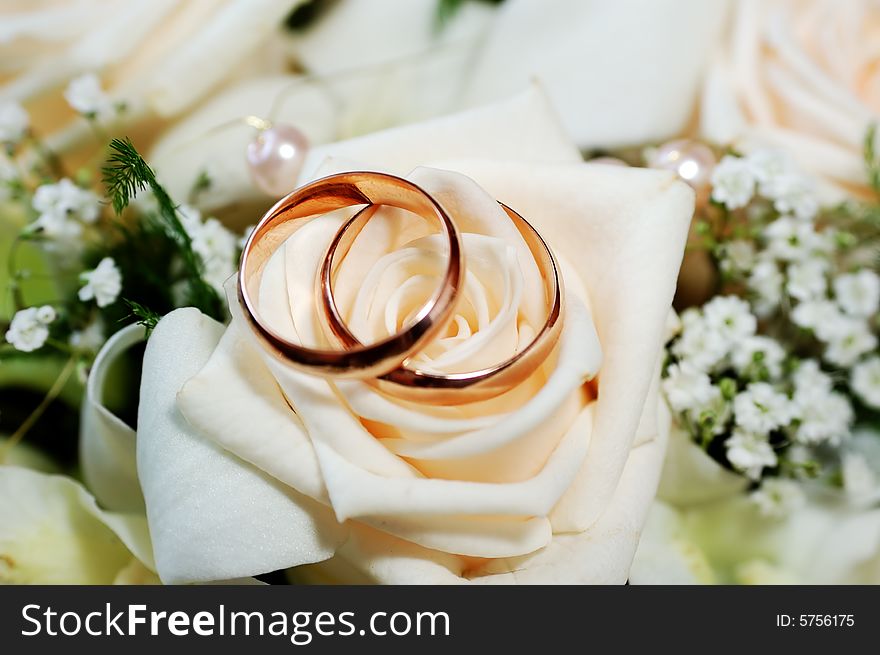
[[275, 159], [690, 160]]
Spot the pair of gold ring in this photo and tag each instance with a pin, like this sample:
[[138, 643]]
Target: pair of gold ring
[[386, 364]]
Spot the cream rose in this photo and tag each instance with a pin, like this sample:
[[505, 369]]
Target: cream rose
[[160, 57], [801, 76], [52, 531], [249, 466]]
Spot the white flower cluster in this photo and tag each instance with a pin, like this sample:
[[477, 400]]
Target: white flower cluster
[[63, 209], [103, 283], [90, 338], [14, 123], [793, 269], [768, 173], [764, 380], [778, 497], [727, 379], [87, 98], [215, 245], [29, 328]]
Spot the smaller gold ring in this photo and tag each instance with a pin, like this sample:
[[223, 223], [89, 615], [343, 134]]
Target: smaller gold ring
[[454, 388], [337, 192]]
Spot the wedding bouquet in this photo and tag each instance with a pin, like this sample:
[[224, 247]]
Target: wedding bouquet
[[641, 348]]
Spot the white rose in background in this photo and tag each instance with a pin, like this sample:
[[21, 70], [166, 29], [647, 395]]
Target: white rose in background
[[376, 64], [53, 532], [589, 55], [338, 42], [544, 484], [704, 528], [732, 542], [800, 76], [620, 73], [160, 57]]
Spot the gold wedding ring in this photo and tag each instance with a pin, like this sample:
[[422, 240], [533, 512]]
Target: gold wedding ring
[[337, 192], [455, 388]]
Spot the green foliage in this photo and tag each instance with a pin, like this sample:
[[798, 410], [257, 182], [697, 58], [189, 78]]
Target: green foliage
[[146, 317], [872, 158], [125, 175]]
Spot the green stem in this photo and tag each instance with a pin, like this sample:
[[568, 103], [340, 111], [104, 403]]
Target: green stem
[[35, 415], [13, 274]]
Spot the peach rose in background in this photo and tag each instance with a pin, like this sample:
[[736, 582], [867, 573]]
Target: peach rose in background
[[704, 529], [801, 76], [248, 466], [160, 57], [588, 56], [619, 73]]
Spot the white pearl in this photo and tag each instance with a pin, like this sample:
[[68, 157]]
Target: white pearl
[[275, 159], [690, 160]]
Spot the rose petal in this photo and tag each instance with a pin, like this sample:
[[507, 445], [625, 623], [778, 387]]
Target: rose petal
[[53, 532], [201, 499], [522, 128], [107, 443], [630, 274], [591, 56], [234, 399], [600, 555]]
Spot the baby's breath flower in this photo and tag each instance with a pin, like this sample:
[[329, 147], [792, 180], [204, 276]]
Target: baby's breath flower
[[848, 339], [733, 182], [63, 207], [758, 353], [14, 122], [824, 417], [806, 279], [768, 167], [778, 497], [216, 246], [789, 239], [760, 408], [86, 96], [820, 316], [865, 381], [103, 283], [810, 377], [190, 218], [699, 344], [731, 317], [688, 388], [737, 256], [750, 453], [765, 282], [792, 193], [29, 328], [90, 338], [213, 243], [858, 293]]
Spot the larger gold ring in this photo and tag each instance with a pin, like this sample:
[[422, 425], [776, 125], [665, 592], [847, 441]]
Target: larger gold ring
[[454, 388], [337, 192]]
